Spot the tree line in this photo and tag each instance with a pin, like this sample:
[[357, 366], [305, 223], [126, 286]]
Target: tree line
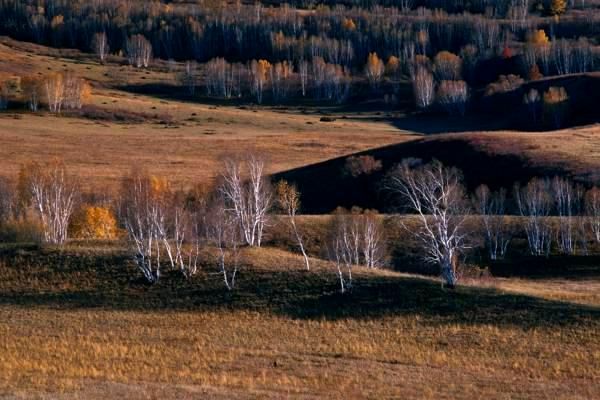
[[446, 50], [167, 228]]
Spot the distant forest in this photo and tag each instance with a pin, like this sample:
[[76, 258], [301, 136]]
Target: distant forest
[[444, 49]]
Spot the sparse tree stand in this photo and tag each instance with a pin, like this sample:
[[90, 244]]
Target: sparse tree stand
[[53, 193], [437, 195], [139, 51], [289, 200], [100, 46]]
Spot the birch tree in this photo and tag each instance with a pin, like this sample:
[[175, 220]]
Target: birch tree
[[139, 51], [248, 196], [490, 207], [143, 212], [53, 196], [54, 85], [534, 204], [423, 87], [592, 208], [223, 232], [436, 194], [288, 198], [568, 204], [100, 45]]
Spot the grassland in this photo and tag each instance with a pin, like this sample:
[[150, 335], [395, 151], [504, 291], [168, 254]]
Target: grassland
[[187, 140], [77, 323]]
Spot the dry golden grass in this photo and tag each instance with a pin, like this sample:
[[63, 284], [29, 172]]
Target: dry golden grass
[[77, 324], [192, 140]]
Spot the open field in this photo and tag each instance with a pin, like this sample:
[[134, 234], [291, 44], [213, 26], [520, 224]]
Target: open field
[[82, 326], [79, 321], [188, 141]]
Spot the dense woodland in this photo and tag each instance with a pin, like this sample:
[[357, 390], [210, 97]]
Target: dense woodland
[[448, 52]]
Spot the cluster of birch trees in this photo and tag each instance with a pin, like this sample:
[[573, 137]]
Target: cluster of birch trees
[[167, 228], [57, 91]]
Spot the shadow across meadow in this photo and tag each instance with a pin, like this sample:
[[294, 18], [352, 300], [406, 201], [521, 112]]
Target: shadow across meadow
[[67, 280]]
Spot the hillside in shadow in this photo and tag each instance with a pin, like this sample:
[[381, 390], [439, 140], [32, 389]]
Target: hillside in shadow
[[106, 279], [325, 186]]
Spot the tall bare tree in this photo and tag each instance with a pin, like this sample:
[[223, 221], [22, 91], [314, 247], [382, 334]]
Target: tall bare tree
[[534, 203], [288, 198], [592, 208], [54, 194], [423, 87], [139, 51], [143, 212], [223, 232], [100, 45], [491, 209], [437, 195], [248, 195]]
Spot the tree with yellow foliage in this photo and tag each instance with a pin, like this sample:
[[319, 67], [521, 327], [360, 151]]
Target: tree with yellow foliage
[[374, 69], [94, 222], [392, 67], [349, 24], [447, 66], [538, 37], [556, 102], [259, 73], [558, 7]]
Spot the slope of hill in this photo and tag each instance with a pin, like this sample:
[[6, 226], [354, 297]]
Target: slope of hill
[[83, 325], [494, 158]]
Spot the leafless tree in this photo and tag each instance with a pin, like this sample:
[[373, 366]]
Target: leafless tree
[[248, 196], [55, 92], [289, 200], [303, 68], [372, 243], [342, 248], [100, 45], [141, 208], [534, 203], [437, 195], [568, 203], [223, 78], [179, 230], [188, 77], [533, 102], [592, 208], [223, 232], [139, 51], [423, 87], [54, 194], [33, 89], [562, 55], [491, 209], [7, 199], [583, 55]]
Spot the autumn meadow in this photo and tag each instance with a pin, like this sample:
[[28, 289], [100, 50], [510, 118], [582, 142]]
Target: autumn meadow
[[350, 199]]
